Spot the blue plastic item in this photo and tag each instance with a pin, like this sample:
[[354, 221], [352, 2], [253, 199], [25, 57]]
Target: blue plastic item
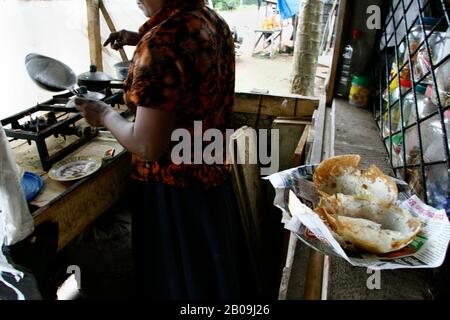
[[32, 185], [288, 8]]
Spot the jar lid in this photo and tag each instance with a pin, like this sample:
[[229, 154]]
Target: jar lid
[[420, 88], [356, 33], [405, 83], [428, 21], [362, 81]]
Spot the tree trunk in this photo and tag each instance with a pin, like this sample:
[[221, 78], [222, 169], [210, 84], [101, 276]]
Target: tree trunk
[[307, 46]]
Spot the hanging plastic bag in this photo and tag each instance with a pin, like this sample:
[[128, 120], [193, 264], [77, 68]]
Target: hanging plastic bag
[[16, 222]]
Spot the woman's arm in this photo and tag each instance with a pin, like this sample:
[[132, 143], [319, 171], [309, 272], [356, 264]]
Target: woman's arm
[[148, 137]]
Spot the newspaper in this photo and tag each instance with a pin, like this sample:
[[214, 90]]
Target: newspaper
[[296, 196]]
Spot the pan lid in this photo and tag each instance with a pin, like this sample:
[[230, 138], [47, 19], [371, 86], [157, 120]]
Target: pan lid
[[94, 75]]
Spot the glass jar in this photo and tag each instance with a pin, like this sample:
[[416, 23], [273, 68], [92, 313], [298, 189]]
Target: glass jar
[[360, 91]]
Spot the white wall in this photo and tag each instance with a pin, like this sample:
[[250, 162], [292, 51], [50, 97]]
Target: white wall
[[56, 28]]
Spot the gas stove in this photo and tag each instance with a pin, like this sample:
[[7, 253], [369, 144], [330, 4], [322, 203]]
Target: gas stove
[[52, 118]]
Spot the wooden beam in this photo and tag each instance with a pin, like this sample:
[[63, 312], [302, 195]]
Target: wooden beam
[[332, 25], [319, 128], [289, 256], [314, 272], [111, 27], [248, 190], [278, 106], [331, 83], [289, 238], [95, 41], [290, 132], [298, 155]]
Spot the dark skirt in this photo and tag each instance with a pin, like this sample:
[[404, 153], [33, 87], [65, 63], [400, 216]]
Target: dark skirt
[[188, 243]]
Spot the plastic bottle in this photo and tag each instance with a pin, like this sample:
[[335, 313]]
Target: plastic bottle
[[437, 175], [436, 41], [405, 85], [352, 52], [416, 35], [432, 137], [425, 105], [358, 64]]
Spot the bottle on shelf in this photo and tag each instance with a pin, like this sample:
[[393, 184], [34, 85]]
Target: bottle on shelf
[[352, 63]]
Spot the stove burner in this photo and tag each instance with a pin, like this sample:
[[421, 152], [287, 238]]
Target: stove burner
[[40, 123], [55, 120]]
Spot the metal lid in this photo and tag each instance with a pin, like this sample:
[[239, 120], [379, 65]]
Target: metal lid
[[429, 21], [362, 81], [49, 73], [420, 88], [94, 75]]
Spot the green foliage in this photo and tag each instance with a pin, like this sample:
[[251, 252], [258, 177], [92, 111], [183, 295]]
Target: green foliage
[[226, 4], [232, 4]]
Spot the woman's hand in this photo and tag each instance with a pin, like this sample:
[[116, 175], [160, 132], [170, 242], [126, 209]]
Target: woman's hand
[[94, 111], [122, 38]]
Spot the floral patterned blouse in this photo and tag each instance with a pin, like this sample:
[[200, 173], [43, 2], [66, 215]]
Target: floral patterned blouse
[[184, 63]]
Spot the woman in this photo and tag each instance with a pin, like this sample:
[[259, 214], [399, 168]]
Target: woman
[[187, 236]]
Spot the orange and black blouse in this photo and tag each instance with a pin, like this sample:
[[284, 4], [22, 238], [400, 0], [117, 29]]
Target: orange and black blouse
[[184, 63]]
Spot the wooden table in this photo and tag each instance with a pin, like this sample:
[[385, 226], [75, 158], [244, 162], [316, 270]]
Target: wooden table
[[75, 205], [84, 201], [269, 38]]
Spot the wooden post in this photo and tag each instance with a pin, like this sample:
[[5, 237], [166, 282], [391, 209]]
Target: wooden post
[[331, 82], [314, 272], [111, 27], [95, 41], [332, 26], [307, 46], [247, 186]]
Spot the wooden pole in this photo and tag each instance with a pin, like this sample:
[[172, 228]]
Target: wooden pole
[[341, 18], [332, 26], [111, 27], [95, 42], [314, 272]]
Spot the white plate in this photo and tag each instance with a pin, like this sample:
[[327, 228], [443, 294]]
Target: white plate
[[75, 168]]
